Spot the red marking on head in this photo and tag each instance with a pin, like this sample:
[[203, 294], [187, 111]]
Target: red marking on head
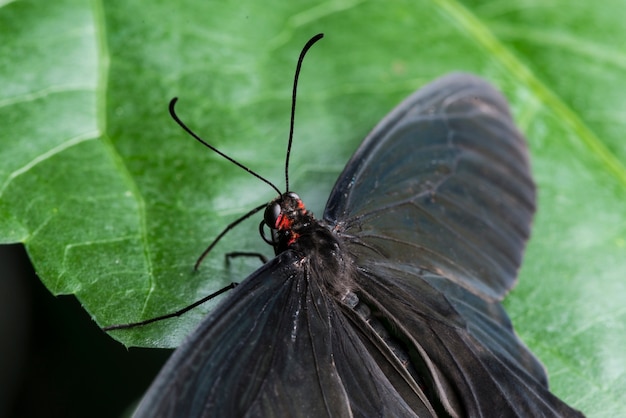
[[283, 222]]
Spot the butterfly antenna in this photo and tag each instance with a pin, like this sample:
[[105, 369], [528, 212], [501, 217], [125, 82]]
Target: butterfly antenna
[[211, 147], [293, 102]]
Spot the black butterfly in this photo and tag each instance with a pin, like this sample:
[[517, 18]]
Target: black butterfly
[[390, 305]]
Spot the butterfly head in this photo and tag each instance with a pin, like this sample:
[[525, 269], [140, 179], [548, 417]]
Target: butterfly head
[[285, 216]]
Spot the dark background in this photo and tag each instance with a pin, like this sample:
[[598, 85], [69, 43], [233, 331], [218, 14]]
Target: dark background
[[54, 360]]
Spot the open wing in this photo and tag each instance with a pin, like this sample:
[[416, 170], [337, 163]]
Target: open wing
[[463, 345], [442, 183], [436, 206], [279, 346]]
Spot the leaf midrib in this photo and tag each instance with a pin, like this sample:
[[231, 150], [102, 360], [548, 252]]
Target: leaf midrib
[[485, 38]]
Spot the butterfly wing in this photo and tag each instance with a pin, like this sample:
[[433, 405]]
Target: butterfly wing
[[464, 345], [443, 183], [278, 346], [436, 206]]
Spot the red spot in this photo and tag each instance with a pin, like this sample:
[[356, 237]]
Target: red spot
[[283, 222]]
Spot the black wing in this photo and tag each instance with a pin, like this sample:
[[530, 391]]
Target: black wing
[[443, 183], [436, 206], [279, 346], [463, 346]]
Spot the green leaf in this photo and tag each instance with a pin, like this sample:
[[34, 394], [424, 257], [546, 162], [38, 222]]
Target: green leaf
[[114, 202]]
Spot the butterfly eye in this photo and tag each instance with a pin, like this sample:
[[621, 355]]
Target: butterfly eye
[[272, 212], [293, 195]]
